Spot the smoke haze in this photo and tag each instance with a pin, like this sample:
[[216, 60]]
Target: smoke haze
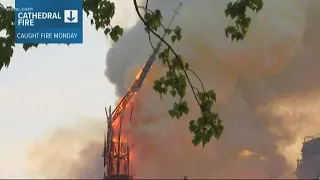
[[267, 89]]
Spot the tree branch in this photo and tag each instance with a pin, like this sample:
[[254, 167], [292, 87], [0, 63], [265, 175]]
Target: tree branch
[[197, 78], [149, 10], [146, 9], [169, 46]]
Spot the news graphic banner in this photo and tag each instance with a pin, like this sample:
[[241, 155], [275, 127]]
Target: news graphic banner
[[48, 21]]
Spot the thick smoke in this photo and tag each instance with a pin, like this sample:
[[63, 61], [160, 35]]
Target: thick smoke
[[251, 78], [267, 90], [69, 152]]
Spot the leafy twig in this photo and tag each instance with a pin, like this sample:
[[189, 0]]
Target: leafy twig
[[159, 37]]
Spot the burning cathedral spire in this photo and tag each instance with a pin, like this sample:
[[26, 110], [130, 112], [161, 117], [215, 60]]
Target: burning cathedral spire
[[116, 152]]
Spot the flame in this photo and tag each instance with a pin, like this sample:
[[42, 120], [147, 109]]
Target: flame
[[116, 123], [124, 144], [139, 74], [130, 93], [245, 153]]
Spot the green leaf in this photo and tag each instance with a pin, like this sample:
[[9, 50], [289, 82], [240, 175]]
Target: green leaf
[[162, 79], [186, 66], [212, 95], [168, 31], [201, 96], [106, 31], [173, 38], [237, 11], [169, 82], [118, 30], [172, 113], [114, 36], [183, 106], [179, 37], [193, 126], [206, 114], [157, 86], [173, 93], [158, 14], [177, 31], [181, 91], [196, 140], [29, 45], [218, 131], [177, 110], [147, 16]]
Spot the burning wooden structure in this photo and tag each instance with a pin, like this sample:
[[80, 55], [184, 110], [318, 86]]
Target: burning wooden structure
[[116, 151]]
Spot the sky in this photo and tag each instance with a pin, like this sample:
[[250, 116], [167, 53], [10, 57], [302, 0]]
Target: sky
[[47, 87]]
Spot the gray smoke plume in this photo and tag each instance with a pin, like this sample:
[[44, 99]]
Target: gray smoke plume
[[69, 152], [267, 90]]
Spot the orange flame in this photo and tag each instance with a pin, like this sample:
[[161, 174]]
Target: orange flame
[[139, 73], [121, 105], [124, 144], [245, 153]]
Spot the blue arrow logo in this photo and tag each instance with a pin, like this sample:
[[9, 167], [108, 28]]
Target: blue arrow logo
[[70, 18]]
